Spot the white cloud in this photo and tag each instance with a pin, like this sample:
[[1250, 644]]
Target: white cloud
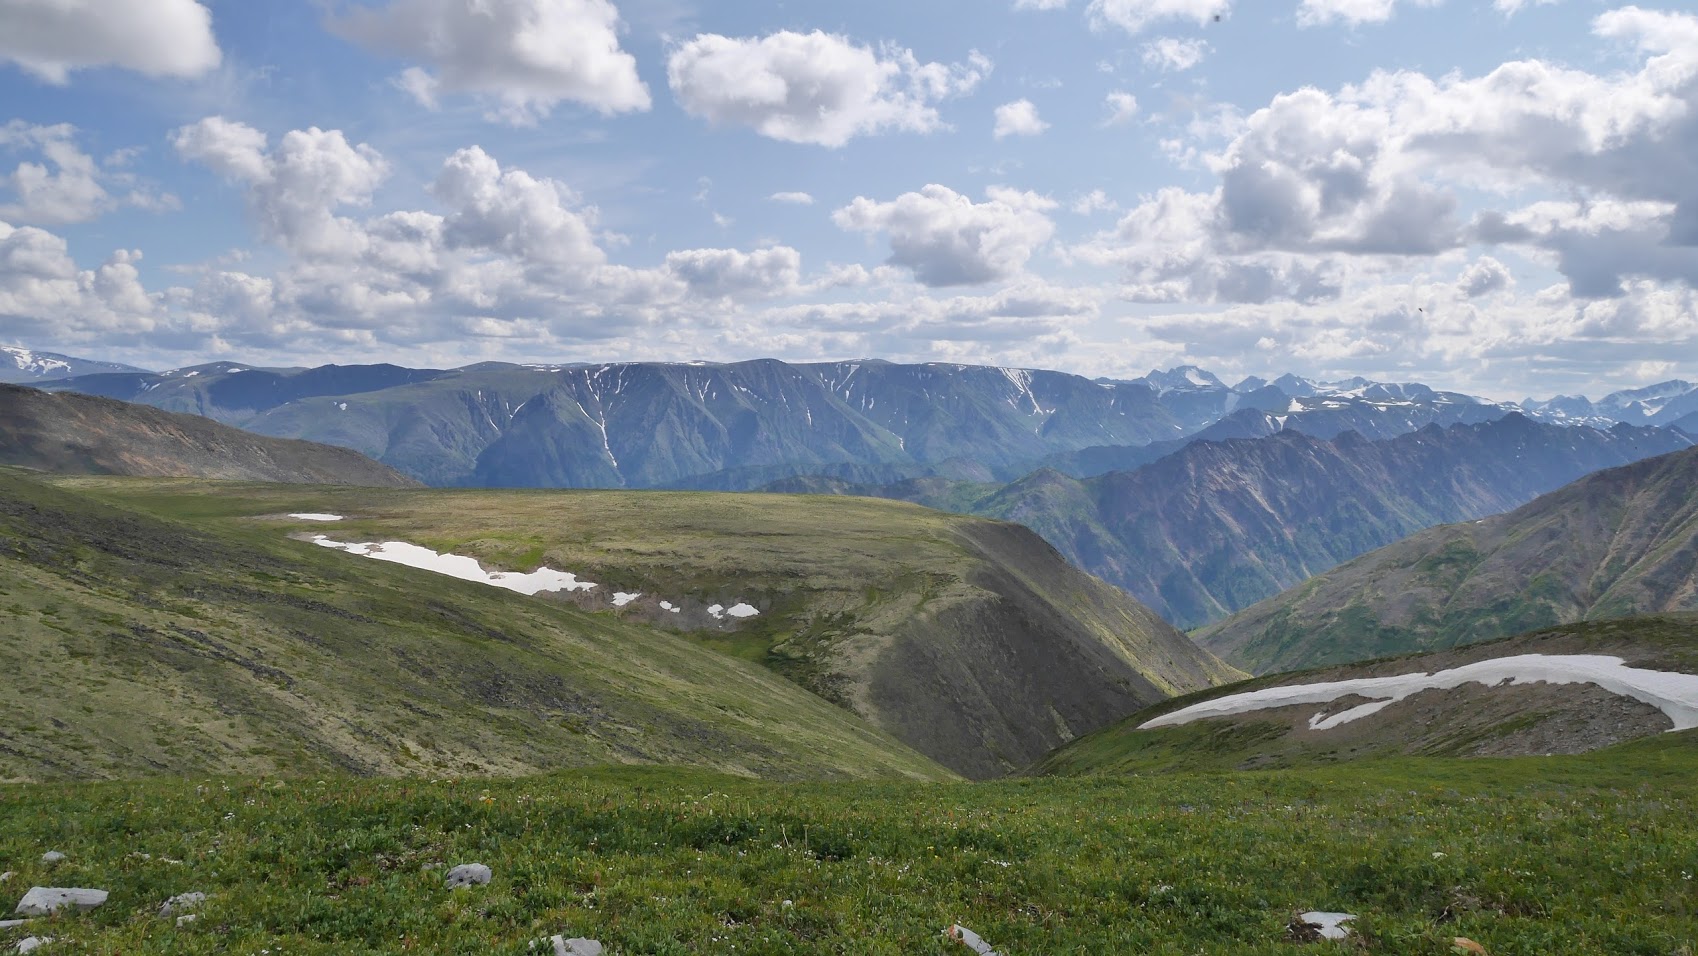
[[1019, 118], [1121, 107], [1483, 277], [1040, 4], [946, 239], [1173, 54], [793, 198], [68, 186], [1510, 8], [729, 272], [1317, 12], [536, 221], [525, 56], [1094, 202], [1134, 15], [44, 295], [295, 189], [816, 87], [50, 38]]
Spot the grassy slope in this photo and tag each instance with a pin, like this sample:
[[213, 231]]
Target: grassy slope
[[1589, 856], [1616, 543], [971, 640], [139, 644], [1487, 721]]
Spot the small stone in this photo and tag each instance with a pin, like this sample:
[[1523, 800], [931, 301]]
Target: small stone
[[468, 874], [186, 919], [969, 939], [9, 923], [43, 900], [6, 876], [33, 943], [1327, 925], [52, 856], [576, 946], [181, 903]]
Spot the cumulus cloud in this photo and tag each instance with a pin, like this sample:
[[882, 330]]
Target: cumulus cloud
[[1134, 15], [43, 294], [1375, 172], [68, 186], [295, 189], [1040, 4], [1483, 277], [1121, 107], [793, 198], [159, 38], [946, 239], [816, 88], [1019, 118], [717, 273], [524, 56], [1318, 12], [1171, 54]]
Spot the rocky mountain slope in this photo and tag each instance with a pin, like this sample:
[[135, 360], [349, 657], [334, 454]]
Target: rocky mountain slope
[[1616, 543], [70, 433], [1216, 526], [1544, 713], [972, 641]]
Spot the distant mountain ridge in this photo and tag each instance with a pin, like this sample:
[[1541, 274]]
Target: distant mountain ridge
[[69, 433], [703, 425], [24, 366], [1620, 542]]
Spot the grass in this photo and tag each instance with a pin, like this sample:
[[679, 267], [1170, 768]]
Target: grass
[[1587, 855]]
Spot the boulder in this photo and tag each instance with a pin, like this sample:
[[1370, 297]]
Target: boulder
[[43, 900], [468, 874], [576, 946], [51, 857], [33, 943], [181, 903]]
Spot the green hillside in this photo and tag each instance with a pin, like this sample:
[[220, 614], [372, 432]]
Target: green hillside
[[138, 644], [971, 641], [1584, 856]]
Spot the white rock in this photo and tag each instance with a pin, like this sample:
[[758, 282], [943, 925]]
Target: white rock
[[468, 874], [1331, 924], [42, 900], [186, 918], [9, 923], [576, 946], [6, 876], [181, 903], [33, 943], [969, 939], [52, 856]]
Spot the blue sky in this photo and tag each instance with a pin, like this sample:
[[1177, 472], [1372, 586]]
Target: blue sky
[[1492, 196]]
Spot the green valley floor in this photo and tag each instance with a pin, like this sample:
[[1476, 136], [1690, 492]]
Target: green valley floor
[[1596, 854]]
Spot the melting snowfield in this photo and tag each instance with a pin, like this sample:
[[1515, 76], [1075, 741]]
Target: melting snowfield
[[1674, 694], [460, 566], [310, 516], [468, 569]]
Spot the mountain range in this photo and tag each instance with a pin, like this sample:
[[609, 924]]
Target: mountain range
[[1213, 527], [1620, 542]]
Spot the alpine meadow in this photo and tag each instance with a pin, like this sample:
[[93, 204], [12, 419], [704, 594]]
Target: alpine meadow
[[972, 478]]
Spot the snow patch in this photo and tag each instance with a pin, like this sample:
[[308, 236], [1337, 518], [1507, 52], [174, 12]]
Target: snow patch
[[315, 516], [669, 606], [622, 598], [460, 566], [720, 612], [1331, 924], [1674, 694]]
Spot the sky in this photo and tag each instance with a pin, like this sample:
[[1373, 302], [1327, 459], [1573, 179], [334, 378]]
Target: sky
[[1497, 196]]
